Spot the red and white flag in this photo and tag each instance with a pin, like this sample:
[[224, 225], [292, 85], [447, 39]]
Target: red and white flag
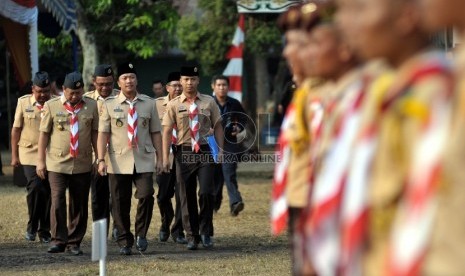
[[234, 68]]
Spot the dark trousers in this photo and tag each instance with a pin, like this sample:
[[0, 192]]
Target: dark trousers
[[100, 196], [121, 193], [192, 166], [226, 173], [38, 203], [78, 188], [166, 190]]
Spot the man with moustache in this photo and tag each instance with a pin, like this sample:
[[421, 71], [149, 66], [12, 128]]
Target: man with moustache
[[68, 131], [103, 81], [24, 145], [167, 181]]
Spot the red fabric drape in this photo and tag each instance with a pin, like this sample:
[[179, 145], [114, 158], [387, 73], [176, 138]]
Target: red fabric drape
[[17, 39], [26, 3]]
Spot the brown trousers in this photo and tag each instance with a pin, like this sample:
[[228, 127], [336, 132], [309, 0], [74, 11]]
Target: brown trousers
[[121, 193], [197, 219], [78, 187]]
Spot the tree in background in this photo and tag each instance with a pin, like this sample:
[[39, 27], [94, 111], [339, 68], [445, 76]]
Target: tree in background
[[118, 29], [207, 37]]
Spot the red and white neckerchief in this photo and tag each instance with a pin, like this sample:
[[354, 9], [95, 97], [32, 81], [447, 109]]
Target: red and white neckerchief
[[194, 126], [74, 127], [40, 107], [415, 216], [132, 123], [326, 196], [279, 206]]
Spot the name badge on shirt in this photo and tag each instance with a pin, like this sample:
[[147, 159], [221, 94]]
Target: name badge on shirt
[[29, 109], [182, 108], [118, 109], [60, 114]]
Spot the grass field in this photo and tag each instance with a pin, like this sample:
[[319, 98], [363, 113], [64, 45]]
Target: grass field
[[243, 244]]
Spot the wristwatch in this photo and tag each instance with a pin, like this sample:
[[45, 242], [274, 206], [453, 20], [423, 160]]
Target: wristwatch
[[99, 160]]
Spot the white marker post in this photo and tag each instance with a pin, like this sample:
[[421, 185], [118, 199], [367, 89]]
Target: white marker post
[[99, 243]]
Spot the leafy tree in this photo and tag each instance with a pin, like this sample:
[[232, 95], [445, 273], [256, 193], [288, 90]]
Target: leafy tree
[[207, 38], [110, 29]]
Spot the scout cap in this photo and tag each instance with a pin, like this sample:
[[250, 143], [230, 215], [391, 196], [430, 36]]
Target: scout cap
[[73, 81], [103, 70], [315, 13], [189, 71], [126, 68], [173, 76], [290, 20], [41, 79]]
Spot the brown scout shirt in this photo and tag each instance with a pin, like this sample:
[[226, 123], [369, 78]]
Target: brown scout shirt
[[27, 117], [121, 156], [56, 122], [177, 113]]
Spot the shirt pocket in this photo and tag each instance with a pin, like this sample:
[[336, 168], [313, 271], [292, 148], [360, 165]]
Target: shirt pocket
[[85, 121], [143, 120], [118, 120], [204, 119], [25, 144], [149, 148], [182, 120], [30, 118], [61, 123]]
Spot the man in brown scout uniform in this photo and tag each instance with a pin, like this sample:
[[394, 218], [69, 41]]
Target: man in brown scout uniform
[[68, 131], [194, 115], [130, 123], [103, 81], [24, 141], [167, 181]]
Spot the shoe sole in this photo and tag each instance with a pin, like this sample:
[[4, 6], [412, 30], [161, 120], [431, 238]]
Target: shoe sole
[[237, 209]]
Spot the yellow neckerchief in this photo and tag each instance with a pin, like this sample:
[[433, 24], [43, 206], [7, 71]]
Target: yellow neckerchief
[[299, 137]]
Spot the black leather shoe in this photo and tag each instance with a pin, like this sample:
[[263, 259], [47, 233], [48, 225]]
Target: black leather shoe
[[75, 250], [30, 236], [236, 208], [180, 240], [141, 244], [163, 236], [45, 239], [56, 248], [206, 241], [192, 245], [125, 251]]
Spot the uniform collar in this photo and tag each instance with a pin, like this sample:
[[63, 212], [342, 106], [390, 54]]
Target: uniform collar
[[166, 99], [63, 99], [33, 100], [184, 98], [121, 98]]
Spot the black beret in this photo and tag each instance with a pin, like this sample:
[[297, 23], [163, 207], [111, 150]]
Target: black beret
[[126, 68], [173, 76], [189, 71], [73, 80], [103, 70], [41, 79]]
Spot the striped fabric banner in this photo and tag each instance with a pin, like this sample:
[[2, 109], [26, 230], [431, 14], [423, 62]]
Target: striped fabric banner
[[234, 68]]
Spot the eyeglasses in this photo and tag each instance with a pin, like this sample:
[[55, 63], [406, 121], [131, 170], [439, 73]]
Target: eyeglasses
[[104, 84], [174, 85]]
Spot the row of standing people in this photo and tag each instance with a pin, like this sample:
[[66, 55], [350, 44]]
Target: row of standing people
[[124, 140], [370, 179]]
